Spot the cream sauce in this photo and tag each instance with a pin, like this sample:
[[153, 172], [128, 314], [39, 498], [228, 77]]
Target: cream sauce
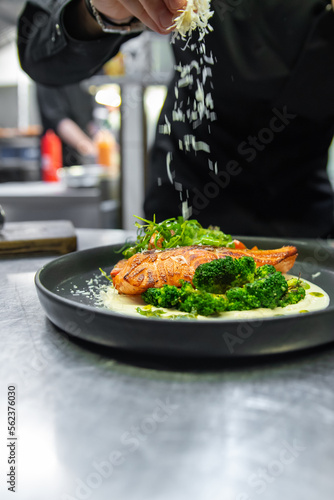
[[315, 299]]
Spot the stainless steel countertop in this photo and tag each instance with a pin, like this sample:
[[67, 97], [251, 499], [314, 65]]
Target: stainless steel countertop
[[103, 425]]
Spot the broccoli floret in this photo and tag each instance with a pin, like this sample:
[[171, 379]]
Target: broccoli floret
[[203, 303], [263, 292], [245, 268], [269, 289], [167, 296], [262, 271], [219, 275], [239, 299], [186, 299], [295, 293]]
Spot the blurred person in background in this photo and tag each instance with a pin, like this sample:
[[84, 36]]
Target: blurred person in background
[[269, 73], [68, 111]]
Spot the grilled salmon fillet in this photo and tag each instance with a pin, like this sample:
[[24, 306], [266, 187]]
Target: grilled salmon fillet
[[155, 268]]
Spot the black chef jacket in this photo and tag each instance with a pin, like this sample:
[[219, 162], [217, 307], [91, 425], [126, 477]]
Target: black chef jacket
[[263, 169]]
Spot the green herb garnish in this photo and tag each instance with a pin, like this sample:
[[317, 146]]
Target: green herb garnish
[[160, 313], [105, 274], [175, 232]]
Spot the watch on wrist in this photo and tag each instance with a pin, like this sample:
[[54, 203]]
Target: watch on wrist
[[109, 26]]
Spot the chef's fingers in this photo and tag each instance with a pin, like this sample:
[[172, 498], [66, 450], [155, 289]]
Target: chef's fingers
[[155, 14], [113, 9]]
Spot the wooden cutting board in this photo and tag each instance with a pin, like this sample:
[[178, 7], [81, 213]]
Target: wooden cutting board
[[38, 236]]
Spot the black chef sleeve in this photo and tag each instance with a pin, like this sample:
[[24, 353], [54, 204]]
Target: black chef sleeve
[[50, 55]]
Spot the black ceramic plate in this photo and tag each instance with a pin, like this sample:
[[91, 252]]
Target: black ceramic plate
[[58, 281]]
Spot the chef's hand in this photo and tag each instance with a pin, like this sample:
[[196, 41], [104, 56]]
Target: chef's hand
[[156, 14]]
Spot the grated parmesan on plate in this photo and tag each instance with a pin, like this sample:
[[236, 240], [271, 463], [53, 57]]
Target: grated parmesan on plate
[[196, 14]]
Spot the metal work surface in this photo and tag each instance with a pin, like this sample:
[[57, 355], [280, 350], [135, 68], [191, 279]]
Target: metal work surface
[[96, 423]]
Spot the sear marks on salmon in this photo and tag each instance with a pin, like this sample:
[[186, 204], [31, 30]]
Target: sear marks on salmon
[[155, 268]]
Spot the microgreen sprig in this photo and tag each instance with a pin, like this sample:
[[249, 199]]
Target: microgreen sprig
[[175, 232]]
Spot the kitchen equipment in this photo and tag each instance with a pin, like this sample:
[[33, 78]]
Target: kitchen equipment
[[38, 236]]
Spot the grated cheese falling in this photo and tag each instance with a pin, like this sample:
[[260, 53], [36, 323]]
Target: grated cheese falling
[[195, 15], [190, 142], [166, 128], [198, 108]]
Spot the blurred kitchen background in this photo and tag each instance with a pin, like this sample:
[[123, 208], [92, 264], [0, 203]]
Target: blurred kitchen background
[[103, 191]]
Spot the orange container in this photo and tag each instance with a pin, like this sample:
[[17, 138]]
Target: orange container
[[104, 153], [105, 143]]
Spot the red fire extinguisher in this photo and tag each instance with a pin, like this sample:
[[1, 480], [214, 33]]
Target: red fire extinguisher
[[51, 155]]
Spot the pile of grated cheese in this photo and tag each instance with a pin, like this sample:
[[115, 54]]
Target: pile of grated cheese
[[195, 15]]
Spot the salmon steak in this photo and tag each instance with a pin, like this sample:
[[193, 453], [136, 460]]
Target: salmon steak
[[155, 268]]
